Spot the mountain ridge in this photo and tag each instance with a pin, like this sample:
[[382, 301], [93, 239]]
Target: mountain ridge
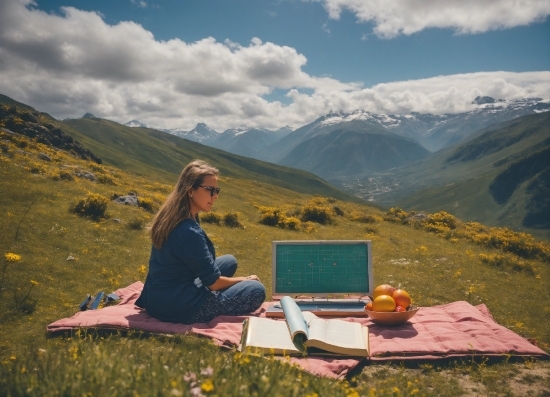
[[457, 179]]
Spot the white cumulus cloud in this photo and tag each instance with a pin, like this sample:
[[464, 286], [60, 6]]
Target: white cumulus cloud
[[73, 62], [394, 17]]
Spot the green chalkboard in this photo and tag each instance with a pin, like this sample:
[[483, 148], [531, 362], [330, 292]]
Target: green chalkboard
[[322, 267]]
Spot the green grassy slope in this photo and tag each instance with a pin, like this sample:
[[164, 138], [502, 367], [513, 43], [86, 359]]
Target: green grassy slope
[[458, 179], [155, 153], [67, 256], [6, 100], [150, 151], [63, 256]]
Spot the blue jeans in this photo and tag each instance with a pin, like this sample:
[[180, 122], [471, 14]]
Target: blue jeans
[[241, 298]]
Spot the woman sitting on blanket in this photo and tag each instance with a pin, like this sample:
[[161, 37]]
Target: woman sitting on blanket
[[186, 283]]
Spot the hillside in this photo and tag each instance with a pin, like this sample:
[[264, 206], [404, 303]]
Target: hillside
[[151, 152], [54, 255], [148, 151], [345, 152], [330, 149], [497, 177], [248, 142]]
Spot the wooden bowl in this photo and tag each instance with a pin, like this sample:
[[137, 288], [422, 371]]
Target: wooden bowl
[[391, 318]]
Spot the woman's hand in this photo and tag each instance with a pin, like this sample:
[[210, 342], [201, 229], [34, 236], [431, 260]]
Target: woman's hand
[[226, 282]]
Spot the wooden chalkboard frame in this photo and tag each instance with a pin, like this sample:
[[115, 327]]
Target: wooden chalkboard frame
[[366, 287]]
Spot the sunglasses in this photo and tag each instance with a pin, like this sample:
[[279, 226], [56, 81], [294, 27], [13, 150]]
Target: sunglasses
[[213, 190]]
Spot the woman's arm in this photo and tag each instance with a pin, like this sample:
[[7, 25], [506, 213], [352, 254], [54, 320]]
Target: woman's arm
[[225, 282]]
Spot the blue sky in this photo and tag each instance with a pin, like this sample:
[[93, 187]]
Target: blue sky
[[270, 63]]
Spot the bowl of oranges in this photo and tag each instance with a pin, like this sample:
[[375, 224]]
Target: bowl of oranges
[[390, 306]]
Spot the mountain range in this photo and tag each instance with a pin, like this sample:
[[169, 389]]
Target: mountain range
[[498, 175], [243, 140], [361, 142]]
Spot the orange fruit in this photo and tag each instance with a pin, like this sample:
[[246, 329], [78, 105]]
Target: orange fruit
[[383, 303], [383, 289], [400, 309], [368, 306], [401, 298]]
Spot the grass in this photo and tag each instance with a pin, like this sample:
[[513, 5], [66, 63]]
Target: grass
[[64, 256]]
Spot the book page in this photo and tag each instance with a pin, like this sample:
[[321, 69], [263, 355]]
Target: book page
[[268, 336], [338, 336], [297, 324]]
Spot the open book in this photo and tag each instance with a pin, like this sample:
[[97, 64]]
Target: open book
[[303, 333]]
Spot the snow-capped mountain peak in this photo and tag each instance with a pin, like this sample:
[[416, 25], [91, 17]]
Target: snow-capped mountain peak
[[201, 133]]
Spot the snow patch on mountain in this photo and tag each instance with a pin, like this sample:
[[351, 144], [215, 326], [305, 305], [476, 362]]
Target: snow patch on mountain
[[135, 123]]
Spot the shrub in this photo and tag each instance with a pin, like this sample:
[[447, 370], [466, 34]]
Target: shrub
[[338, 211], [212, 217], [61, 176], [508, 261], [436, 227], [309, 227], [442, 218], [96, 167], [290, 223], [270, 216], [36, 168], [136, 223], [317, 210], [146, 203], [21, 143], [93, 206], [396, 214], [105, 179], [364, 218], [371, 230], [231, 219]]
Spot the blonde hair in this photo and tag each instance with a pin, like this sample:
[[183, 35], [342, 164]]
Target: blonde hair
[[177, 205]]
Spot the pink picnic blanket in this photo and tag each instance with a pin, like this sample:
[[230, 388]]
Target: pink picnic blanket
[[452, 330]]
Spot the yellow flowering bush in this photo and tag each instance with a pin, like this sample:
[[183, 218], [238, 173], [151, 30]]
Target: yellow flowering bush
[[93, 206], [106, 179], [12, 257], [508, 261], [35, 168], [290, 223], [317, 210], [61, 175], [270, 216], [212, 217], [364, 218], [231, 219], [146, 203], [396, 214]]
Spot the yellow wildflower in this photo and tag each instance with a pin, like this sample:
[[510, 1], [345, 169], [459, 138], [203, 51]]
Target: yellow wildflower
[[207, 386], [12, 257]]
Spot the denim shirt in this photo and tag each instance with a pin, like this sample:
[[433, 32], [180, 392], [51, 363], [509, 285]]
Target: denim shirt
[[171, 291]]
